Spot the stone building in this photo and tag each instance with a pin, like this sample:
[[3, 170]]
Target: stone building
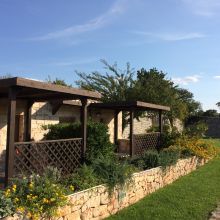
[[42, 115]]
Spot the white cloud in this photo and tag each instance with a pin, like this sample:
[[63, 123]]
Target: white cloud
[[171, 36], [216, 77], [206, 8], [186, 80], [118, 7]]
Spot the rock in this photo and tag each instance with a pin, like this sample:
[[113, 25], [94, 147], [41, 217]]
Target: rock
[[104, 198], [73, 216], [86, 215], [100, 211]]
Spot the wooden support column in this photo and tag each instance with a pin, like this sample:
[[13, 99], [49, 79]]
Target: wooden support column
[[10, 151], [132, 133], [84, 115], [116, 126], [160, 121], [27, 134]]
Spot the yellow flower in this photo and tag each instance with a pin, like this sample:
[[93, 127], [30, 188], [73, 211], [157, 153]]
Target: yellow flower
[[20, 209], [16, 200], [7, 192], [34, 197], [14, 187], [71, 187], [45, 200], [29, 215], [31, 185]]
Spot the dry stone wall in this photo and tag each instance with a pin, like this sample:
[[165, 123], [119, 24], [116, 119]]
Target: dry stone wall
[[95, 203]]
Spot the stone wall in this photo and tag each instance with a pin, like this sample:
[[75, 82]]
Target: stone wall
[[95, 203], [140, 126], [144, 123], [213, 127]]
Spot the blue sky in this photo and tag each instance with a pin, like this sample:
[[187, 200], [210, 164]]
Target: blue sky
[[53, 37]]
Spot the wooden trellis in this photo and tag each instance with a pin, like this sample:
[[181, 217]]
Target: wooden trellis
[[143, 142], [65, 154]]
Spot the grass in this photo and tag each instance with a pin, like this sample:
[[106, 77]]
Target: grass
[[192, 197], [214, 141]]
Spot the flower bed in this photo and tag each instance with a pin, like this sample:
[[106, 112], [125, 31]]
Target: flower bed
[[95, 203]]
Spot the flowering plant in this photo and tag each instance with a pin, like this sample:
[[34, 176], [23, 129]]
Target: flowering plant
[[37, 197], [6, 206]]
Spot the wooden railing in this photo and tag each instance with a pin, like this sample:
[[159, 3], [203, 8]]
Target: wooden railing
[[143, 142], [65, 154]]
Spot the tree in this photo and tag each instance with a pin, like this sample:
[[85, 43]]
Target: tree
[[114, 84], [153, 86], [210, 113], [57, 81], [149, 86]]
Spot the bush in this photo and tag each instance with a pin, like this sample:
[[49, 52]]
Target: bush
[[98, 142], [84, 178], [6, 205], [36, 197], [112, 172], [198, 147], [148, 160], [62, 131], [169, 156], [197, 129], [170, 138]]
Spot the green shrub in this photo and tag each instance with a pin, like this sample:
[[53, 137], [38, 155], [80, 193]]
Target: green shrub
[[112, 172], [6, 205], [137, 162], [62, 131], [153, 128], [170, 138], [197, 129], [84, 178], [169, 156], [149, 159], [98, 142], [52, 174]]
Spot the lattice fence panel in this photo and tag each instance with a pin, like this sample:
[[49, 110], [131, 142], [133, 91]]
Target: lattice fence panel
[[32, 157], [143, 142]]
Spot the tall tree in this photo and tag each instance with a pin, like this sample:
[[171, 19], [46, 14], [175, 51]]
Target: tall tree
[[150, 86], [114, 85]]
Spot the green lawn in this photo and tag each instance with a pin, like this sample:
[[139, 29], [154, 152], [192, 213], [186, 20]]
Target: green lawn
[[215, 141], [192, 197]]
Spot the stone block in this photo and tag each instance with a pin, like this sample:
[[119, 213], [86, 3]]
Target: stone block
[[86, 215], [104, 198], [73, 216]]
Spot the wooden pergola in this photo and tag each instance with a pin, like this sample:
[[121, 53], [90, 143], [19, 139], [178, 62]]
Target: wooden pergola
[[32, 91], [131, 107]]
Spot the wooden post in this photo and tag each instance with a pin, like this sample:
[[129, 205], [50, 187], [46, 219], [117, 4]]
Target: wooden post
[[132, 133], [116, 126], [160, 121], [27, 134], [10, 150], [84, 125]]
